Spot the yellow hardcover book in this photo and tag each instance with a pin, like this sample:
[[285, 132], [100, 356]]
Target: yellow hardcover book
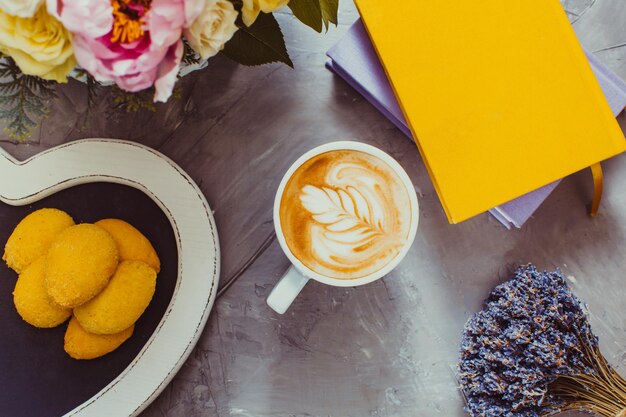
[[497, 93]]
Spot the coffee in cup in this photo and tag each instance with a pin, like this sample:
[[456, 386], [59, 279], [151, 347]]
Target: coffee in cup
[[345, 214]]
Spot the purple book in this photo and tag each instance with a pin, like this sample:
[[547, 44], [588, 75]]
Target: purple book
[[353, 58]]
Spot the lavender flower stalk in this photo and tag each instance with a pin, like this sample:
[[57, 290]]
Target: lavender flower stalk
[[530, 353]]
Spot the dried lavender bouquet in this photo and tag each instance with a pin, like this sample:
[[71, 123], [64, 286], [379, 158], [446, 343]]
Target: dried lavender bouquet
[[530, 352]]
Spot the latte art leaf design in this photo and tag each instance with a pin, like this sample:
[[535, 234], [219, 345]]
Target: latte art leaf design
[[346, 214]]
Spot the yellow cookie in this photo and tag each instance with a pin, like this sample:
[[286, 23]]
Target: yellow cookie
[[79, 264], [33, 235], [131, 243], [82, 345], [122, 301], [32, 301]]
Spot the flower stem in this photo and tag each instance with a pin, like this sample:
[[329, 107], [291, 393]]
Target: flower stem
[[602, 392]]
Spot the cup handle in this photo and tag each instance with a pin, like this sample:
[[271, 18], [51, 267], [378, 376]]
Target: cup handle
[[286, 290]]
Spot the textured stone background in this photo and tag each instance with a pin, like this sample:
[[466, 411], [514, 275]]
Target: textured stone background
[[385, 349]]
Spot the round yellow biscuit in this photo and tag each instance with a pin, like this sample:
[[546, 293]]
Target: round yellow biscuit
[[79, 264], [122, 301], [80, 344], [32, 301], [33, 235], [131, 243]]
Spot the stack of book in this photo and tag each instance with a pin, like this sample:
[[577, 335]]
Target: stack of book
[[355, 60]]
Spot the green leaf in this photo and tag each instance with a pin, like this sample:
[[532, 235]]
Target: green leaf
[[308, 12], [190, 57], [318, 14], [24, 99], [133, 102], [94, 88], [258, 44], [329, 11]]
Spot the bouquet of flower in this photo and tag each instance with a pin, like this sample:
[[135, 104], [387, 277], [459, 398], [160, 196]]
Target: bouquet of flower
[[531, 353], [137, 44]]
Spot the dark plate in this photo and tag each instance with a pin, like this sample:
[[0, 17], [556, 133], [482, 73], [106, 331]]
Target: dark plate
[[37, 377]]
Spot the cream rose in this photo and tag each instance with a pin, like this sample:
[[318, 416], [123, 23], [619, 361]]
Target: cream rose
[[39, 45], [251, 8], [215, 26], [20, 8]]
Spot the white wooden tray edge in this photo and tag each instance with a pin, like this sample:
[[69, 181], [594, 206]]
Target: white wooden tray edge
[[134, 165]]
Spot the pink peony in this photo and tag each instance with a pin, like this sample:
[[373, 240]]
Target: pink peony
[[91, 18], [142, 46]]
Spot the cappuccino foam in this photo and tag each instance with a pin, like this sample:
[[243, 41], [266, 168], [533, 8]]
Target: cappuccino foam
[[345, 214]]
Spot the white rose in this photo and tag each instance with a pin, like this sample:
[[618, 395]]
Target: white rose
[[20, 8], [215, 26]]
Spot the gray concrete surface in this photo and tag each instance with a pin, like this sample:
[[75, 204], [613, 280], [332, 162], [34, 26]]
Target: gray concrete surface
[[381, 350]]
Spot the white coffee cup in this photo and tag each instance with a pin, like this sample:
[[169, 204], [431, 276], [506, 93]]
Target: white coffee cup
[[298, 274]]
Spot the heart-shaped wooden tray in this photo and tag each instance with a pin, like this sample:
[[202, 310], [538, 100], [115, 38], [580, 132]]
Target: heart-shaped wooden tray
[[93, 179]]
